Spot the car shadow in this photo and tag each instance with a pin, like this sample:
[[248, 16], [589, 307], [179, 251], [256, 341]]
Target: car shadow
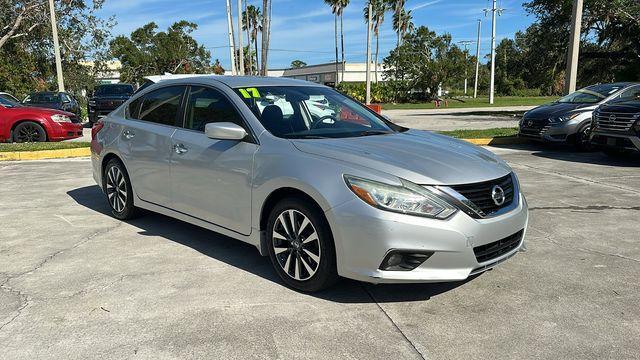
[[246, 257], [568, 153]]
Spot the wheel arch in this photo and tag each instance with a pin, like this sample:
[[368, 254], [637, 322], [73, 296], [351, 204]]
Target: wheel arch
[[105, 160], [33, 120]]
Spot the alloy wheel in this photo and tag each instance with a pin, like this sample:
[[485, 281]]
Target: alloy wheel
[[116, 189], [28, 133], [296, 245]]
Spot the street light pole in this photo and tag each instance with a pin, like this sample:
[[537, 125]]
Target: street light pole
[[368, 94], [574, 48], [232, 50], [495, 12], [466, 44], [475, 87], [56, 46]]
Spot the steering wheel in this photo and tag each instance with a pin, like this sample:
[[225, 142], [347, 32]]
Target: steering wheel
[[316, 124]]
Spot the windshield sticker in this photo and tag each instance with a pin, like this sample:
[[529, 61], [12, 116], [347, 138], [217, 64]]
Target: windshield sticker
[[248, 93]]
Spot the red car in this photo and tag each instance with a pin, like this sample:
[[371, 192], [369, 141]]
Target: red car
[[20, 123]]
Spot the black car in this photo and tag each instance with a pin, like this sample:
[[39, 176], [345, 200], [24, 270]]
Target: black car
[[107, 98], [54, 100], [616, 127]]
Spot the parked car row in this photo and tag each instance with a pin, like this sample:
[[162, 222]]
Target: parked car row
[[55, 116], [604, 116]]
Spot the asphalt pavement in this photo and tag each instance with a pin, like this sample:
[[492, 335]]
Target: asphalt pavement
[[79, 284], [445, 119]]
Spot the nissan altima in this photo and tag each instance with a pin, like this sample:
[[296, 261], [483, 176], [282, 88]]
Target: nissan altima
[[323, 186]]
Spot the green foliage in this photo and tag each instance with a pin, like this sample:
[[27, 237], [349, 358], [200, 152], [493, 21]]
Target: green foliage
[[481, 134], [5, 147], [380, 92], [149, 52], [415, 69], [298, 64]]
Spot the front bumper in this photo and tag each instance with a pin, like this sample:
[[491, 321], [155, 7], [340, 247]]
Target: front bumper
[[64, 131], [556, 133], [607, 139], [365, 235]]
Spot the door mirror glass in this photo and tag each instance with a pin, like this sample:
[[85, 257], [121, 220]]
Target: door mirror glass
[[225, 131]]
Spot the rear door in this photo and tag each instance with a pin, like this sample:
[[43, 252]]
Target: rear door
[[211, 179], [146, 142]]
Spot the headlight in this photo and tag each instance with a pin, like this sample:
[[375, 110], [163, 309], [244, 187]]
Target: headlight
[[565, 118], [92, 103], [408, 199], [60, 118]]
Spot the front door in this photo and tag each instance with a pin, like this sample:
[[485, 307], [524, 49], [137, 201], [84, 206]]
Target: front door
[[211, 179], [145, 142]]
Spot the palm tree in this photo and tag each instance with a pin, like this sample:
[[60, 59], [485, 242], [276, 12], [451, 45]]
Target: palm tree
[[398, 8], [403, 24], [252, 22], [266, 34], [337, 8], [379, 8]]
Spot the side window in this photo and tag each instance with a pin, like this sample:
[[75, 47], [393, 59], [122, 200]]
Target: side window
[[631, 94], [65, 98], [161, 106], [207, 105], [133, 109]]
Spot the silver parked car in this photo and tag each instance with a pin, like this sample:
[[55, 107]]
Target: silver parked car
[[344, 194], [568, 120]]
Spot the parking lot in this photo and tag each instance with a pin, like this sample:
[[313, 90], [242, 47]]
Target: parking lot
[[76, 283]]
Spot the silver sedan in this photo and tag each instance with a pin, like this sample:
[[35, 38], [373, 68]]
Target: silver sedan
[[319, 183]]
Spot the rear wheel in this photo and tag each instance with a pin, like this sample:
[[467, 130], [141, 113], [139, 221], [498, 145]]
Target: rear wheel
[[117, 186], [29, 131], [301, 246]]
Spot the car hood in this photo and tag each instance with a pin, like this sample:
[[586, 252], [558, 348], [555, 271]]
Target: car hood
[[556, 109], [43, 105], [627, 107], [111, 97], [418, 156], [43, 110]]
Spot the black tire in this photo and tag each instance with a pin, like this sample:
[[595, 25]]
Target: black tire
[[120, 196], [582, 141], [614, 153], [303, 249], [29, 131]]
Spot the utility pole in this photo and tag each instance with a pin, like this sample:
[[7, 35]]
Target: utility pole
[[574, 48], [56, 46], [495, 12], [475, 87], [232, 45], [246, 13], [368, 95], [466, 44], [241, 62]]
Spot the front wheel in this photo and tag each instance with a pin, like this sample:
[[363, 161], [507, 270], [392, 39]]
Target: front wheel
[[301, 246], [583, 142], [29, 131], [117, 186]]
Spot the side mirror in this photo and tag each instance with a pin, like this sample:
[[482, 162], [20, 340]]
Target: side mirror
[[224, 131]]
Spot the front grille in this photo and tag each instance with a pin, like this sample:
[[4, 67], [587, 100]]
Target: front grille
[[609, 121], [109, 104], [534, 127], [497, 248], [480, 193]]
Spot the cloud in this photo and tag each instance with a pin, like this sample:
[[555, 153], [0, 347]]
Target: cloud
[[425, 4]]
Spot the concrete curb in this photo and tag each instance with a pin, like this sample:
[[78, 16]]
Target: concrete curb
[[45, 154], [84, 152]]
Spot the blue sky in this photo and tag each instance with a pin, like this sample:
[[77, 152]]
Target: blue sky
[[303, 29]]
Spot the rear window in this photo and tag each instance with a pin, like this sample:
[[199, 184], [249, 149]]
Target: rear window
[[161, 106], [114, 89]]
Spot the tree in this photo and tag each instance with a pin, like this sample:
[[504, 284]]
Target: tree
[[252, 22], [266, 34], [337, 8], [217, 68], [403, 23], [295, 64], [398, 8], [149, 52], [26, 49], [378, 9], [423, 63]]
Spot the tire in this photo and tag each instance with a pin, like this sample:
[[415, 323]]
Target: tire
[[614, 153], [117, 187], [582, 142], [29, 131], [309, 254]]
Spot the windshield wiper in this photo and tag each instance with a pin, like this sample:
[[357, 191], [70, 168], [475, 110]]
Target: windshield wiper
[[374, 132]]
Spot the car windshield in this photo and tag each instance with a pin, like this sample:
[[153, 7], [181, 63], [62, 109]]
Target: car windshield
[[312, 112], [8, 103], [119, 89], [591, 94], [43, 98]]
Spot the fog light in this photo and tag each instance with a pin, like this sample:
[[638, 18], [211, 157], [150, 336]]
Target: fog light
[[404, 260]]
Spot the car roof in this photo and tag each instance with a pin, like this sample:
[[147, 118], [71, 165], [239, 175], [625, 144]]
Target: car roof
[[242, 81]]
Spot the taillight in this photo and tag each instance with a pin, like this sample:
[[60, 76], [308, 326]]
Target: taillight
[[95, 129]]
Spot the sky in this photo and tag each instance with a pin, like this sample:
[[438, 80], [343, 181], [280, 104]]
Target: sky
[[304, 29]]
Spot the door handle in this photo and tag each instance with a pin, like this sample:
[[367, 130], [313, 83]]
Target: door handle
[[128, 134], [180, 149]]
